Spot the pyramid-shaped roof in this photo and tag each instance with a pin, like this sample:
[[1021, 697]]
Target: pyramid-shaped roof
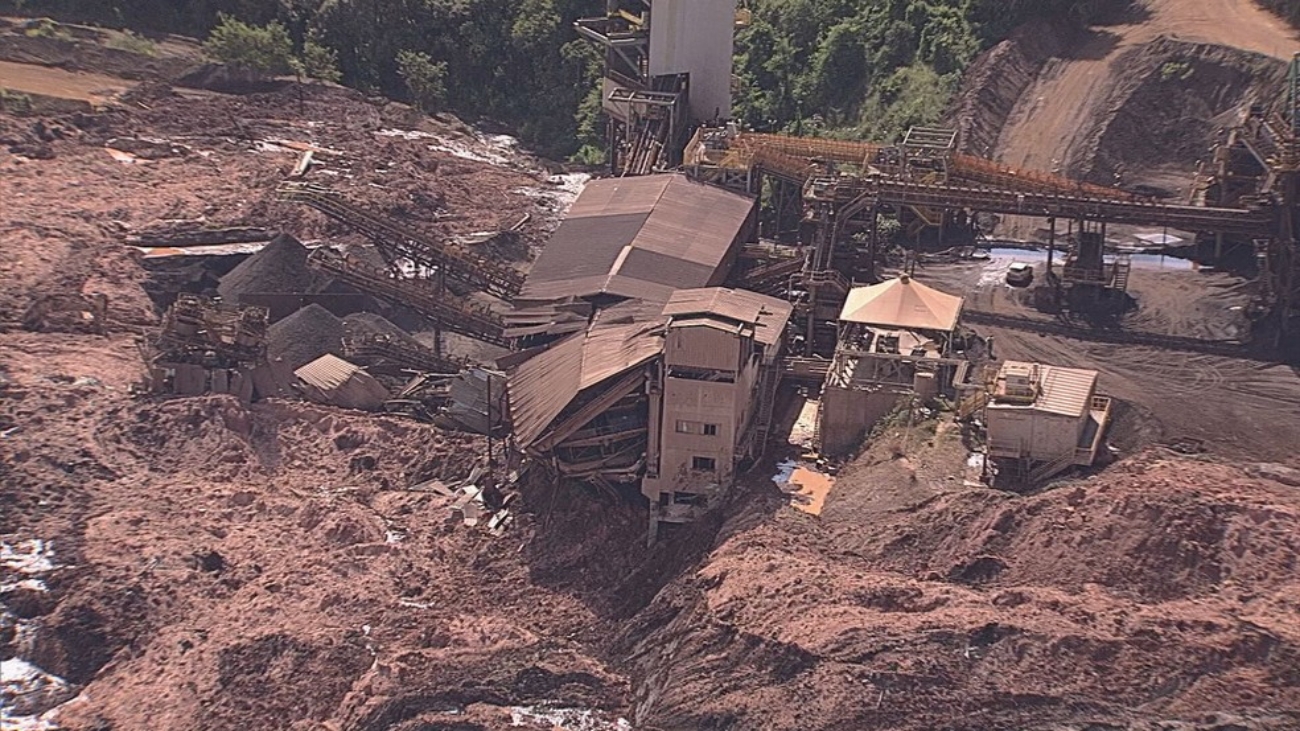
[[902, 303]]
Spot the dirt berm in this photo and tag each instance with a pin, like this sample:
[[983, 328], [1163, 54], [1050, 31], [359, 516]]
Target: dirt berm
[[1157, 596]]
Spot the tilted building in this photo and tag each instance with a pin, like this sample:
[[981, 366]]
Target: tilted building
[[1048, 417], [711, 404]]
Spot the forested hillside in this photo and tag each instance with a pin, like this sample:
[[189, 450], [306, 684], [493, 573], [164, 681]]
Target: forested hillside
[[861, 68]]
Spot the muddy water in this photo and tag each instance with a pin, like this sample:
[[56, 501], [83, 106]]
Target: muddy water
[[813, 489]]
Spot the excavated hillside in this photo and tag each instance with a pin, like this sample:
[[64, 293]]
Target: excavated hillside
[[1135, 102]]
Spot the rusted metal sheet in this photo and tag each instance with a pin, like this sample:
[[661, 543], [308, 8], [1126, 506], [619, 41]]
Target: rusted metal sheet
[[542, 387], [641, 238], [767, 314], [330, 379], [619, 196]]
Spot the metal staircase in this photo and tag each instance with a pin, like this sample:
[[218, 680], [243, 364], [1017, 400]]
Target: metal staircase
[[397, 242], [1051, 468], [1123, 266], [772, 278], [458, 316], [766, 405]]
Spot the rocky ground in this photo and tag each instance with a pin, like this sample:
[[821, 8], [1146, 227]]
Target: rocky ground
[[192, 563]]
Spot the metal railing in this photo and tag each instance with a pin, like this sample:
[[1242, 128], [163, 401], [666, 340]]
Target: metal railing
[[381, 345], [1239, 221], [400, 242], [470, 320]]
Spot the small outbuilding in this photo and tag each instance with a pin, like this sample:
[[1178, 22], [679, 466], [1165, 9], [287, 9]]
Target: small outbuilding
[[331, 380], [1047, 415]]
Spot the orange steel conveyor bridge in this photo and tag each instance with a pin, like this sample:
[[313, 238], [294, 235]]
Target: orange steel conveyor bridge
[[796, 159]]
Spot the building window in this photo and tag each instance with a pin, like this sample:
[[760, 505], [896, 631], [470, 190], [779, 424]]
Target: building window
[[710, 430], [686, 427], [704, 464]]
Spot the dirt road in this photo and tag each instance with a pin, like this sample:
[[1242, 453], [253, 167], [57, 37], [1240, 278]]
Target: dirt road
[[1045, 130], [1235, 406]]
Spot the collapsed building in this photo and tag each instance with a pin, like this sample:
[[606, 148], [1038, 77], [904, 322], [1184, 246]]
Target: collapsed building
[[204, 346], [672, 380]]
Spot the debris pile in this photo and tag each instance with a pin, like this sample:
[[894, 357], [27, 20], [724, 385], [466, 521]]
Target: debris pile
[[207, 347], [305, 336], [370, 323], [279, 268]]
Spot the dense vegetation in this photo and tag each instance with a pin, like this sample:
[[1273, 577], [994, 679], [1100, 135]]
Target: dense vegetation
[[866, 68]]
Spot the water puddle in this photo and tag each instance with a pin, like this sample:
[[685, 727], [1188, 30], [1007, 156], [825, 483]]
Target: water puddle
[[805, 484], [1002, 256], [565, 719]]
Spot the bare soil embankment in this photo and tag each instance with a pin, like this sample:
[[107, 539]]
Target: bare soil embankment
[[1141, 96], [222, 567], [1157, 595]]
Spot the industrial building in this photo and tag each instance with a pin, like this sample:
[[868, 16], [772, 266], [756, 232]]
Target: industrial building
[[667, 69], [896, 340], [641, 238], [1046, 418], [711, 405], [580, 405], [629, 240], [632, 364]]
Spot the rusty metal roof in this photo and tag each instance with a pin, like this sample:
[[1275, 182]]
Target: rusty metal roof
[[543, 386], [628, 311], [767, 314], [640, 237], [619, 196], [1064, 391], [330, 379], [902, 302], [327, 372]]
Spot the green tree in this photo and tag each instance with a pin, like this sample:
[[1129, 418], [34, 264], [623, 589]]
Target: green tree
[[320, 62], [261, 50], [425, 78]]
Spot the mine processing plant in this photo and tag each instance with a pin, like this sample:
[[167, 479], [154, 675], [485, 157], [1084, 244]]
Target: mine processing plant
[[650, 336]]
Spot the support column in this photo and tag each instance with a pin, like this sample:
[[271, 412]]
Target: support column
[[873, 244], [1051, 244], [440, 287]]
